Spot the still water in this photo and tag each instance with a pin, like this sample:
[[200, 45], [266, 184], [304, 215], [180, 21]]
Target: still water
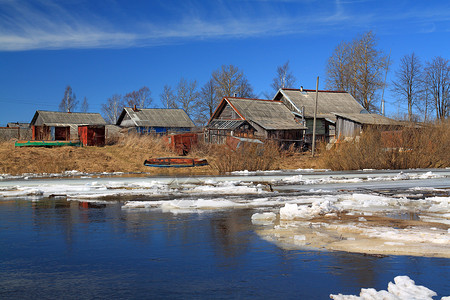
[[58, 249]]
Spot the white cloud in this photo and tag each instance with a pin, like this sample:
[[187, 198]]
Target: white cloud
[[48, 25]]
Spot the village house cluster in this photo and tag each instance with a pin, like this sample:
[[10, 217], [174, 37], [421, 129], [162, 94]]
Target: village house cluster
[[287, 119]]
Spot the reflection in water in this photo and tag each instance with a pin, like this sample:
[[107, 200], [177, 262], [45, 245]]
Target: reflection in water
[[67, 249]]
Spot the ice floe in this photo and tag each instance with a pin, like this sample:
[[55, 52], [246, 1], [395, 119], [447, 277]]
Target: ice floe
[[403, 288]]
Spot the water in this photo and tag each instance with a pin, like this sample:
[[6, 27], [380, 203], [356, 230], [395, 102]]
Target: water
[[58, 249]]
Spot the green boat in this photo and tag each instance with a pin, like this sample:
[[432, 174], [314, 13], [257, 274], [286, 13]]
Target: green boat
[[47, 143]]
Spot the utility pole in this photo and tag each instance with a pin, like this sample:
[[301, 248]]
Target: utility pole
[[315, 116], [384, 86]]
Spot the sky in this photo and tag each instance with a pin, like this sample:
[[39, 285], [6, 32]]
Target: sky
[[102, 48]]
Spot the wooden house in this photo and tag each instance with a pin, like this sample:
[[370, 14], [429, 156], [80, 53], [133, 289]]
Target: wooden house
[[301, 103], [155, 120], [254, 118], [64, 126]]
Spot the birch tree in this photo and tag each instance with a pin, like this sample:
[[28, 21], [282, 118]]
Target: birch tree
[[84, 105], [408, 82], [168, 97], [69, 101], [112, 108], [284, 78]]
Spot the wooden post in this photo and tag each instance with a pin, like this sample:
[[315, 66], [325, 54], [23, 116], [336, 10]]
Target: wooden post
[[315, 116]]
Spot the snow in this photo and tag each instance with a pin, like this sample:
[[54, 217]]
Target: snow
[[403, 288]]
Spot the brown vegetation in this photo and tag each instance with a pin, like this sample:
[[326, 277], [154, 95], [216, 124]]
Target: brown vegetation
[[426, 147], [129, 152]]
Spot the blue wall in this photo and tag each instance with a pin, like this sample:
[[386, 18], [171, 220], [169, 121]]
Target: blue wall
[[161, 130]]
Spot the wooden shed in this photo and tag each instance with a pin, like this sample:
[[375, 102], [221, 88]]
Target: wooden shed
[[63, 126], [254, 118], [301, 103], [351, 125], [92, 135], [155, 120]]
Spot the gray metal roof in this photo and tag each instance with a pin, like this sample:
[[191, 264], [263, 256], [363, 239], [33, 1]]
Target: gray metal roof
[[56, 118], [157, 117], [329, 102], [369, 119], [271, 115]]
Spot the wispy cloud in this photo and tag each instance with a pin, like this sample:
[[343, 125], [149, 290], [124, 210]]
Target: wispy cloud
[[49, 25]]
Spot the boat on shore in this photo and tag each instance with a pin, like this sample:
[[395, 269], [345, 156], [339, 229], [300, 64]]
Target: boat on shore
[[175, 162], [34, 143]]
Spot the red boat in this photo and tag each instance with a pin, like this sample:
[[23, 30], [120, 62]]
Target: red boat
[[175, 162]]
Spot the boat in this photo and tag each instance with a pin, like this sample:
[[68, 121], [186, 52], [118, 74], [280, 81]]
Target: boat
[[175, 162], [47, 143]]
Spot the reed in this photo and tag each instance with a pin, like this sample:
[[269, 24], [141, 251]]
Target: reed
[[251, 157], [412, 147]]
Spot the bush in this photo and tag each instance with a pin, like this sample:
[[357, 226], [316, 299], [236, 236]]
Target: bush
[[251, 157], [425, 147]]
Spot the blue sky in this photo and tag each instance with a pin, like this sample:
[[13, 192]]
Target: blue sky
[[101, 48]]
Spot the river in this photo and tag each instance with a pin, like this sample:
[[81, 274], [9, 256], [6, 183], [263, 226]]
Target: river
[[62, 248]]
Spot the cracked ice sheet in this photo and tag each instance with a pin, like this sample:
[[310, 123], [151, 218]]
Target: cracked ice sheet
[[364, 224], [118, 189], [301, 179]]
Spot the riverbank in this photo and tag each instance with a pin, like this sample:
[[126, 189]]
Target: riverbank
[[126, 156]]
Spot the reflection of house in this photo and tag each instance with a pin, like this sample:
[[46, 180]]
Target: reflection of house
[[155, 120], [253, 118], [63, 126], [350, 125], [302, 103]]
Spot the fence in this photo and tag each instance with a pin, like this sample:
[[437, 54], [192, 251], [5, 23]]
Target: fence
[[17, 133]]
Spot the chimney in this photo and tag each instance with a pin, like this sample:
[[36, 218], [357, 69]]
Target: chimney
[[301, 88], [235, 95], [134, 108]]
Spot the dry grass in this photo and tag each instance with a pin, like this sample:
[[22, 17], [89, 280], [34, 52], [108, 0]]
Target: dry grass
[[127, 155], [426, 147], [249, 157]]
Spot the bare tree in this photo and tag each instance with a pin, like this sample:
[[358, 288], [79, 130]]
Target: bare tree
[[168, 97], [284, 78], [209, 99], [69, 101], [84, 105], [408, 82], [338, 68], [229, 80], [187, 95], [112, 109], [206, 104], [437, 81], [357, 68], [141, 98]]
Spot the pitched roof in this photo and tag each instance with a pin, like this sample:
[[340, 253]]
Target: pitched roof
[[329, 102], [271, 115], [369, 119], [18, 124], [157, 117], [56, 118]]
